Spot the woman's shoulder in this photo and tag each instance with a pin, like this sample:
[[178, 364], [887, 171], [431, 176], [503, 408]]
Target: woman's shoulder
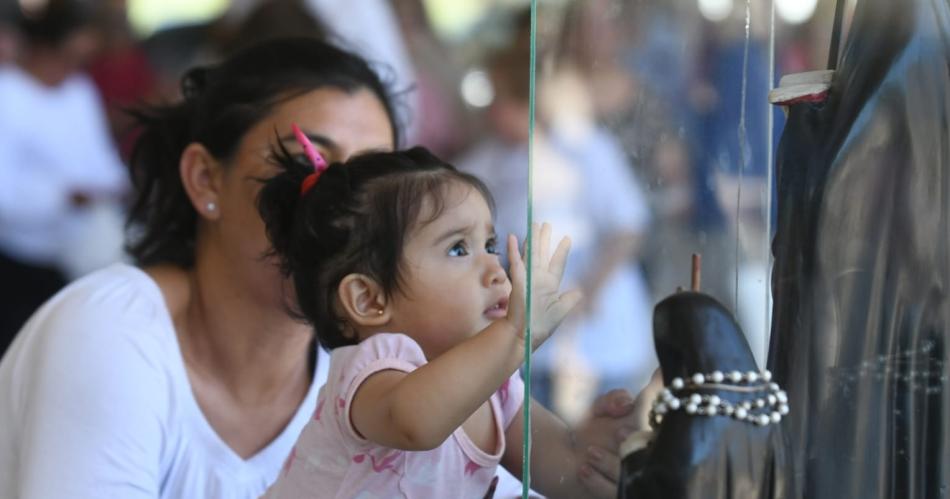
[[119, 306], [106, 337], [114, 295], [94, 379]]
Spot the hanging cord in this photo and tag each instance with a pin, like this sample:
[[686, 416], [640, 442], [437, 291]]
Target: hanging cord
[[836, 35]]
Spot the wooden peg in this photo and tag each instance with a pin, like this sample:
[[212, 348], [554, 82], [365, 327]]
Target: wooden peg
[[697, 272]]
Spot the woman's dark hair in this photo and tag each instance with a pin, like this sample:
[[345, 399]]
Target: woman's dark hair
[[221, 103], [52, 22], [354, 220]]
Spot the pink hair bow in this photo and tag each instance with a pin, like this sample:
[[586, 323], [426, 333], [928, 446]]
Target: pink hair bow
[[319, 164]]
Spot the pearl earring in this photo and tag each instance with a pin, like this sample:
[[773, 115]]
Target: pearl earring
[[211, 206], [379, 312]]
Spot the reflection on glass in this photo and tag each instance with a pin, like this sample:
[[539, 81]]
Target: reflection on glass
[[652, 144]]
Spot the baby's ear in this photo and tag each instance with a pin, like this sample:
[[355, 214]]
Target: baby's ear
[[363, 301]]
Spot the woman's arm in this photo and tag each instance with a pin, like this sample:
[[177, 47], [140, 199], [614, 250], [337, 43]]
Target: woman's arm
[[555, 459], [581, 462]]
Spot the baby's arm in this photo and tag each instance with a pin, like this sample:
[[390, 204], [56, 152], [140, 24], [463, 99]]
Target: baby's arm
[[419, 410]]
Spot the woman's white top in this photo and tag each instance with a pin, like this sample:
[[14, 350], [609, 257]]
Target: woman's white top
[[95, 403]]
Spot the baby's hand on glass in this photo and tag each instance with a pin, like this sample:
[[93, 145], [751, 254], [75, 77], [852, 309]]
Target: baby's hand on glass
[[548, 305]]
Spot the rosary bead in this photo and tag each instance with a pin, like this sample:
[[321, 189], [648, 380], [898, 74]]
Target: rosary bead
[[769, 407]]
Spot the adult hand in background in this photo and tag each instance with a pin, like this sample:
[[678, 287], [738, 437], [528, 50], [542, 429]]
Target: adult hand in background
[[613, 418]]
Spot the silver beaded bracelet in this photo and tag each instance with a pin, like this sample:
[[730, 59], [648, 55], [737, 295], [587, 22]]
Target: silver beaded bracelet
[[764, 410]]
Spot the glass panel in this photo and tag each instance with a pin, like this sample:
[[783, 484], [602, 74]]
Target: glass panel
[[652, 143], [640, 119]]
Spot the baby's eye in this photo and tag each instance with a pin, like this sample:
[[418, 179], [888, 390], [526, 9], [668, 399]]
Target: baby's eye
[[458, 249], [492, 246]]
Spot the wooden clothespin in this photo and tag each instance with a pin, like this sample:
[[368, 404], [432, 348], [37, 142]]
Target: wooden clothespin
[[695, 275], [697, 272]]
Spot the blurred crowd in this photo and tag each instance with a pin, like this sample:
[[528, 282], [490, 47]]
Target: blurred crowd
[[651, 142]]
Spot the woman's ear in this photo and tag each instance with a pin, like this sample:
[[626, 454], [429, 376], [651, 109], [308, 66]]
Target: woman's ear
[[363, 301], [200, 175]]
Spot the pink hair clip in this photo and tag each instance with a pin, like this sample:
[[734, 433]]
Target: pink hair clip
[[319, 164]]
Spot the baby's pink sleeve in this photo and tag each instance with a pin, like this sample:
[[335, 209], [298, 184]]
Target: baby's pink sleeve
[[380, 352], [511, 397]]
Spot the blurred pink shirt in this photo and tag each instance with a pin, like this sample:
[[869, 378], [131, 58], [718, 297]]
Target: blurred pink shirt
[[330, 460]]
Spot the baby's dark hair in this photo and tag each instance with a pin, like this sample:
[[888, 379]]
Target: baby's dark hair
[[355, 219]]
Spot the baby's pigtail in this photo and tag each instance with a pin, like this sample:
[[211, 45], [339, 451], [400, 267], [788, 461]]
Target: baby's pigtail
[[279, 204]]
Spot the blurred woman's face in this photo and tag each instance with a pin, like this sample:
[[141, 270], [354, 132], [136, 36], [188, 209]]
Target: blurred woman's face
[[80, 47], [509, 120], [339, 124]]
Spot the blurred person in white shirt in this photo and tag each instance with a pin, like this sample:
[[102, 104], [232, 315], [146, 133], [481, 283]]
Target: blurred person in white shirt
[[61, 178]]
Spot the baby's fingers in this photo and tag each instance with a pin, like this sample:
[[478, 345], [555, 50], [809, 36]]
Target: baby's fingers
[[516, 301], [515, 262], [541, 243], [559, 260]]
